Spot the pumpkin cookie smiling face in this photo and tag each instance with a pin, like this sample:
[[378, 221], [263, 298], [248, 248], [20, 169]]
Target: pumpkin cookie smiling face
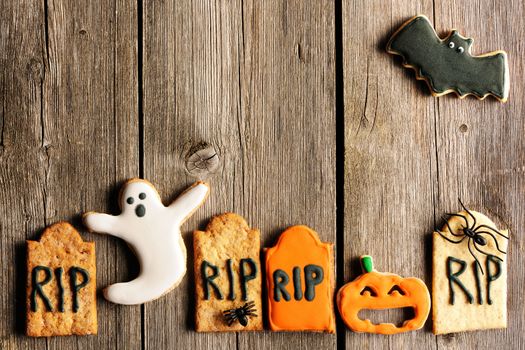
[[378, 291]]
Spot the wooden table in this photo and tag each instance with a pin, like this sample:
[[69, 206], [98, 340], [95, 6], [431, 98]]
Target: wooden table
[[312, 123]]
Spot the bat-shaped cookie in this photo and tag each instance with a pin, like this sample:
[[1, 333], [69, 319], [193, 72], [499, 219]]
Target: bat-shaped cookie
[[447, 65]]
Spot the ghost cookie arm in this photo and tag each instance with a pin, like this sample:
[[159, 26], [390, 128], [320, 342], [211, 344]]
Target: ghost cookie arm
[[102, 223], [189, 201]]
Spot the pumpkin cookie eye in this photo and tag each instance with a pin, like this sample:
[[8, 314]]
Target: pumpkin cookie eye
[[367, 291], [396, 290]]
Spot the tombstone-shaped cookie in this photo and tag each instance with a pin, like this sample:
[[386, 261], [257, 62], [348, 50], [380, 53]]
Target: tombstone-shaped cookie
[[300, 280], [469, 282], [228, 276], [61, 284]]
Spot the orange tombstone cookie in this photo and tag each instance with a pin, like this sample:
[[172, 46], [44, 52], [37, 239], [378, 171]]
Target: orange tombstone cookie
[[299, 273], [378, 291]]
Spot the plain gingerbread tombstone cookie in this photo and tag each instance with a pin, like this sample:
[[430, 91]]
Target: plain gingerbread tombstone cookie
[[228, 276], [469, 277], [153, 232], [300, 281], [61, 284]]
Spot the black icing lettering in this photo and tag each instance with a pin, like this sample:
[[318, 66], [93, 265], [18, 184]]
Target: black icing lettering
[[478, 282], [207, 281], [453, 278], [229, 269], [280, 280], [75, 286], [37, 287], [313, 275], [297, 291], [247, 277], [491, 277], [58, 275]]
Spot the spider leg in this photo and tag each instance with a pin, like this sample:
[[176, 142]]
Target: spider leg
[[483, 252], [460, 216], [231, 319], [451, 241], [493, 229], [494, 238], [472, 253], [228, 312], [252, 314], [469, 213], [249, 304], [450, 229]]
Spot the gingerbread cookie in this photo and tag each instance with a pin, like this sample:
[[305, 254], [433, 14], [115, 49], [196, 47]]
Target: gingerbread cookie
[[300, 280], [228, 276], [378, 291], [61, 284], [469, 274], [447, 64], [153, 232]]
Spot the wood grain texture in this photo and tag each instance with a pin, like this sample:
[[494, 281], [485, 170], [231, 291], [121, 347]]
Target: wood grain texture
[[390, 157], [22, 159], [480, 152], [410, 156], [256, 81], [69, 137], [93, 93]]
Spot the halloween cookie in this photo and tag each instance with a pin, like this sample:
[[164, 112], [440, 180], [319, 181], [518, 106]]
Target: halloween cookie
[[300, 281], [228, 276], [61, 284], [378, 291], [447, 64], [153, 232], [469, 274]]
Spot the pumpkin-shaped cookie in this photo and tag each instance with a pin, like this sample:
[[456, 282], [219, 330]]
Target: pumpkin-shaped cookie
[[378, 291]]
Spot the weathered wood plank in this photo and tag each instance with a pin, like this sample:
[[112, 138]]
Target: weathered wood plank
[[256, 81], [22, 160], [480, 151], [91, 133], [390, 171], [69, 134]]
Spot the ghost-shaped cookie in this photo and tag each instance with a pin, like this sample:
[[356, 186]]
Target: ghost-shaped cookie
[[152, 230]]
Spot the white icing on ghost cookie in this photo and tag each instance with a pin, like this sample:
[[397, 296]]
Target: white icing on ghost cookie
[[153, 232]]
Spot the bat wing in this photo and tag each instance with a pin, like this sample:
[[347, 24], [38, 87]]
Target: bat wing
[[446, 65]]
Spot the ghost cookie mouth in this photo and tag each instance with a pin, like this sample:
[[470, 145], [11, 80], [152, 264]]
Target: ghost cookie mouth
[[140, 210]]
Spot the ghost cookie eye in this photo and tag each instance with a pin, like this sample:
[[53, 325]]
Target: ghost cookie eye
[[130, 200], [142, 195]]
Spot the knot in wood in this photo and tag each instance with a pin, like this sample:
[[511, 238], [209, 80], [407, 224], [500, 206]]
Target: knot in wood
[[202, 160], [35, 69]]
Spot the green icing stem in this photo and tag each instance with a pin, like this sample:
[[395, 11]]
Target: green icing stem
[[367, 264]]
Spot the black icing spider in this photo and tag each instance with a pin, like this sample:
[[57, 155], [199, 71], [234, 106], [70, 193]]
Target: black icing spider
[[240, 314], [475, 234]]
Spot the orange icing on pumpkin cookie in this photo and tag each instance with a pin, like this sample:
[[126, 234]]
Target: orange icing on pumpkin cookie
[[378, 291], [299, 274]]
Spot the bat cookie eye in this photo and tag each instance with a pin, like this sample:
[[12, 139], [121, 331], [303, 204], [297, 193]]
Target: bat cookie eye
[[451, 44], [461, 49], [130, 200]]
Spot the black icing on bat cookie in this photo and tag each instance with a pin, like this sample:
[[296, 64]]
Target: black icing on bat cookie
[[447, 65]]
